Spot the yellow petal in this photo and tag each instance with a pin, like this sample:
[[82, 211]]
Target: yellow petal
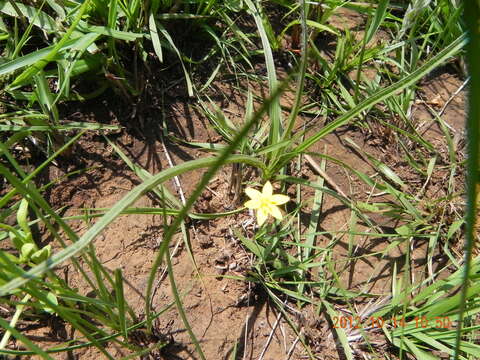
[[252, 193], [276, 213], [261, 216], [267, 189], [278, 199], [252, 204]]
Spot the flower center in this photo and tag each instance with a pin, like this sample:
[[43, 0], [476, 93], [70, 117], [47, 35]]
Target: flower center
[[265, 202]]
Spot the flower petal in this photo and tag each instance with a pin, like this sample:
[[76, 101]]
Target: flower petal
[[252, 204], [275, 212], [267, 189], [261, 216], [278, 199], [252, 193]]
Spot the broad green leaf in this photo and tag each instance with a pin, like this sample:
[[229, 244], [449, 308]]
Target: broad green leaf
[[33, 57], [22, 215], [53, 299], [57, 8]]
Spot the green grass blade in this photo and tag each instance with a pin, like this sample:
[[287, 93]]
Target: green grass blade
[[225, 157], [180, 308], [167, 36], [472, 16], [275, 109], [409, 80], [157, 46], [377, 20], [34, 16], [35, 56], [301, 73], [112, 33], [120, 300], [342, 336], [65, 127], [112, 214], [17, 334], [39, 65]]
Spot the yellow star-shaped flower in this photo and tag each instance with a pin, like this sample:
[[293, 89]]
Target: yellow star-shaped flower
[[265, 202]]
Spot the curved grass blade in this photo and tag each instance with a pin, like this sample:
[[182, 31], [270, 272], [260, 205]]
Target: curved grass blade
[[113, 213], [40, 64], [33, 57], [99, 212], [4, 324], [275, 109], [64, 127], [301, 74], [112, 33], [66, 347], [167, 36], [409, 80], [224, 157]]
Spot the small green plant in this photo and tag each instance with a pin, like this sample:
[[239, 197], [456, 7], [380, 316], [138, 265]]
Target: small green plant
[[29, 255]]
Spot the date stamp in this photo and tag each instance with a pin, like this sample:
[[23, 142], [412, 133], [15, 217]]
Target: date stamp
[[355, 322]]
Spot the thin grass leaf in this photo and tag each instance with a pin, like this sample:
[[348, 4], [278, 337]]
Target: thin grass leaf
[[18, 335], [181, 310], [64, 127], [420, 354], [120, 300], [157, 46], [314, 218], [471, 16], [342, 336], [225, 157], [45, 97], [112, 214], [161, 191], [167, 36], [113, 33], [275, 110], [34, 57], [381, 95], [377, 20], [40, 64], [304, 8], [84, 344]]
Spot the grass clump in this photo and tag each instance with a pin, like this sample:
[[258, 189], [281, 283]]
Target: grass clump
[[362, 78]]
